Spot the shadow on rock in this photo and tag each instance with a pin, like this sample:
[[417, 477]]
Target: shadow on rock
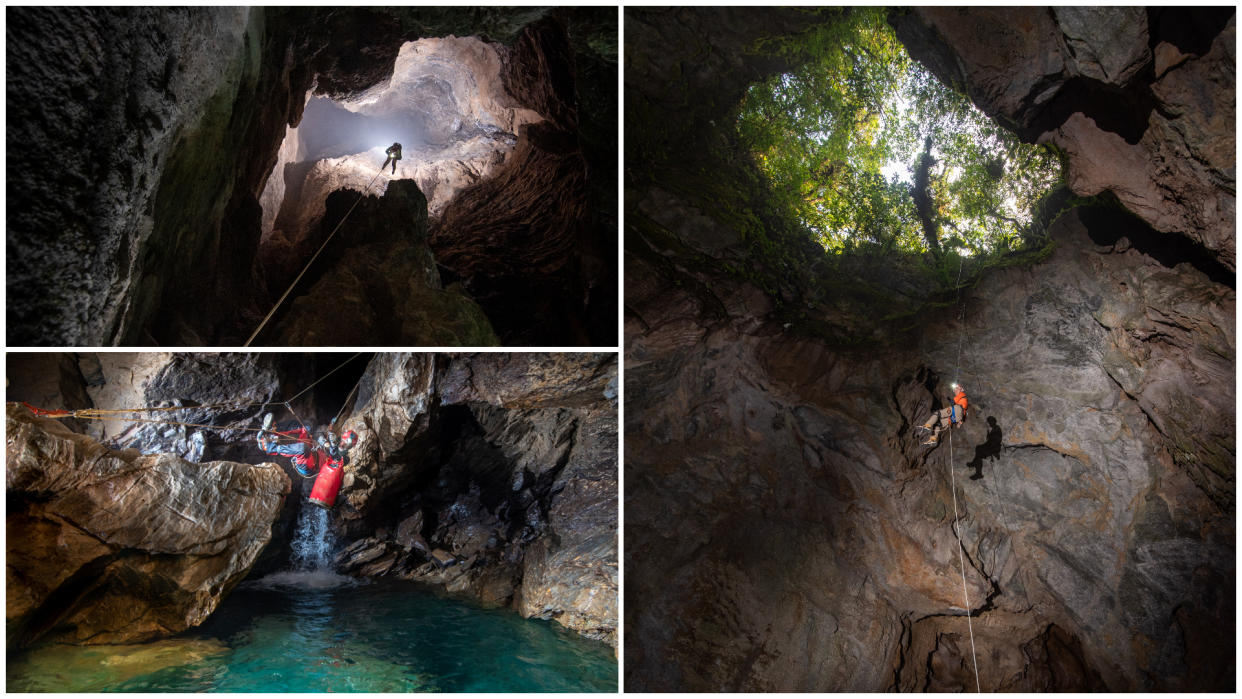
[[991, 448]]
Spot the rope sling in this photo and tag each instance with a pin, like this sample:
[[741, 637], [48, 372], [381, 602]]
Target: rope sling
[[298, 278], [115, 413], [961, 560]]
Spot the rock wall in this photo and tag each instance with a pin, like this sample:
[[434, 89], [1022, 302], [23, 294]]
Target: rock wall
[[164, 126], [493, 475], [378, 283], [779, 505], [115, 547], [101, 100], [1140, 100]]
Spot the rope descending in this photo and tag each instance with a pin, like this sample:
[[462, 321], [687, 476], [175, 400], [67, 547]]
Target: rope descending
[[297, 279], [961, 560]]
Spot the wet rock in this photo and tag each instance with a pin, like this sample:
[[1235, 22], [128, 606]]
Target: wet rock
[[409, 533], [118, 547], [496, 476]]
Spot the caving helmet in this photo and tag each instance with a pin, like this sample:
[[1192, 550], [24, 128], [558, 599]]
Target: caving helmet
[[349, 439]]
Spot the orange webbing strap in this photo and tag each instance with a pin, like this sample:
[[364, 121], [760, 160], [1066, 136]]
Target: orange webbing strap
[[46, 413]]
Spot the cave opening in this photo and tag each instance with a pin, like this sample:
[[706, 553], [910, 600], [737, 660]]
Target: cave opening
[[335, 393], [866, 150], [445, 102]]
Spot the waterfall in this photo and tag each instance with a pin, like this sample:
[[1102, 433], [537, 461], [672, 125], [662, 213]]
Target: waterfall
[[312, 543]]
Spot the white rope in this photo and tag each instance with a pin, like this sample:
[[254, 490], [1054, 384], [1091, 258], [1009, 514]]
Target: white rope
[[961, 560], [312, 261]]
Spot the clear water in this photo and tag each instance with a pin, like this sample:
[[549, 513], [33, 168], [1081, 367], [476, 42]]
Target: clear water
[[311, 630], [312, 542]]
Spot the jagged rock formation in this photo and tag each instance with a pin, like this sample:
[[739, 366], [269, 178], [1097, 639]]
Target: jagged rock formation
[[379, 283], [445, 100], [1140, 99], [494, 475], [116, 547], [779, 504], [138, 164]]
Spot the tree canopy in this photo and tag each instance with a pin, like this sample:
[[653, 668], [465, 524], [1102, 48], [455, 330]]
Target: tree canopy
[[864, 147]]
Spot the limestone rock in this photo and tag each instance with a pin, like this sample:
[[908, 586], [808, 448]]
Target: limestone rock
[[116, 547], [817, 541], [493, 475], [1165, 146], [377, 282], [155, 145]]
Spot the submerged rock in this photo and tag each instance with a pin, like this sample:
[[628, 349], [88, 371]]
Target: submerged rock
[[64, 668], [115, 547]]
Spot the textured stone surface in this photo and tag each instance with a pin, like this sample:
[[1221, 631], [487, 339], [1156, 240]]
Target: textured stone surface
[[493, 475], [808, 516], [143, 140], [115, 547], [100, 100], [1158, 133], [460, 120], [785, 528], [377, 282]]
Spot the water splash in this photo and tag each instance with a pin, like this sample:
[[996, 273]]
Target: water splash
[[312, 543], [311, 560]]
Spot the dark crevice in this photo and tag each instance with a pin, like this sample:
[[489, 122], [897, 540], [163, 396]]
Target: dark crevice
[[1106, 225], [1125, 112], [1190, 29]]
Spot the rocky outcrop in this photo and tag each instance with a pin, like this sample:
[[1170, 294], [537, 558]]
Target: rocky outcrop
[[779, 504], [377, 282], [493, 475], [1155, 128], [116, 547]]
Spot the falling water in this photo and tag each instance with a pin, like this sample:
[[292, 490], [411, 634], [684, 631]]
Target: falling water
[[312, 543]]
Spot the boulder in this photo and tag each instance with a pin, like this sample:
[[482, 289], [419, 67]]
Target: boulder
[[117, 547]]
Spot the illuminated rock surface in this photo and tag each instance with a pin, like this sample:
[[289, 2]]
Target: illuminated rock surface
[[156, 145], [115, 547], [492, 475]]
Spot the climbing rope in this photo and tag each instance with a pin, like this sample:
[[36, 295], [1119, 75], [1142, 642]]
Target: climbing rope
[[312, 260], [961, 558], [88, 414], [300, 393], [347, 397], [116, 413], [961, 561]]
